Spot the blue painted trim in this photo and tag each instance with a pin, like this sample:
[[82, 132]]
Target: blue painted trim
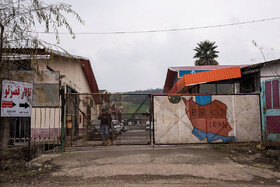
[[268, 112], [263, 105], [203, 99], [186, 72], [272, 112], [274, 137]]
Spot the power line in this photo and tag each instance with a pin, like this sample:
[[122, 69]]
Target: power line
[[167, 30]]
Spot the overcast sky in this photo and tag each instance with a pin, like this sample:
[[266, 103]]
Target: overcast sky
[[126, 62]]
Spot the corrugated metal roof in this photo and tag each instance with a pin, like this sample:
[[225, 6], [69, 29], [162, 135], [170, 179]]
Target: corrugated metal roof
[[204, 77], [210, 67], [261, 64], [173, 71], [87, 69]]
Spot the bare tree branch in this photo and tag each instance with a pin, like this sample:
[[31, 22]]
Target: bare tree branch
[[20, 18]]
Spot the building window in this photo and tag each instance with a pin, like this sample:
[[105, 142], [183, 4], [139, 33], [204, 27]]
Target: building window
[[216, 88], [207, 88], [225, 88]]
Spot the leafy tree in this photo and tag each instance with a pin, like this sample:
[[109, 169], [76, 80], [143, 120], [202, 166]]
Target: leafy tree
[[206, 53], [20, 19]]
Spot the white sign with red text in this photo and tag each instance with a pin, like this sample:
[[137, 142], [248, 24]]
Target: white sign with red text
[[16, 99]]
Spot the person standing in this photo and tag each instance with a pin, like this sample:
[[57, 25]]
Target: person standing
[[105, 124]]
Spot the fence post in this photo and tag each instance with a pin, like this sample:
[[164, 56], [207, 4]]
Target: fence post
[[153, 120], [4, 125], [62, 118], [150, 118]]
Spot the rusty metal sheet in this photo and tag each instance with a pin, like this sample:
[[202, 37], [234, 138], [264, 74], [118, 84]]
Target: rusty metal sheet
[[35, 77], [45, 95], [51, 77], [22, 76], [46, 86]]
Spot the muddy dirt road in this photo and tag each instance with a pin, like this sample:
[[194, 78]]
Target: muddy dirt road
[[186, 165]]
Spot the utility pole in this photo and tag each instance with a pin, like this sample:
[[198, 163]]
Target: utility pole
[[1, 43], [4, 121]]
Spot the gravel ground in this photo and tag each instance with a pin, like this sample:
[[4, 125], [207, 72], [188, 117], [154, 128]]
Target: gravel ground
[[185, 165]]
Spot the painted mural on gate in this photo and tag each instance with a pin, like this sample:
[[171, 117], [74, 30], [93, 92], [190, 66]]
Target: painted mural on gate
[[208, 119]]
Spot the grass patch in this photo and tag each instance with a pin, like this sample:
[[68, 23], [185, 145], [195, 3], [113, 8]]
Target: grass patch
[[131, 108], [218, 146], [261, 165]]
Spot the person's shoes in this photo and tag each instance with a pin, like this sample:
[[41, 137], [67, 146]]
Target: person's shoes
[[109, 142]]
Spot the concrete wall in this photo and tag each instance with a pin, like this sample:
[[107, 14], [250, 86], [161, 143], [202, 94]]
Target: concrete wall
[[46, 122], [223, 118]]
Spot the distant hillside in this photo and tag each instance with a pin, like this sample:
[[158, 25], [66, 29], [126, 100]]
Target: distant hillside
[[134, 101], [149, 91]]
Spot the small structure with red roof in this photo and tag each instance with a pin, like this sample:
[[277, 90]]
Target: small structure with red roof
[[203, 79]]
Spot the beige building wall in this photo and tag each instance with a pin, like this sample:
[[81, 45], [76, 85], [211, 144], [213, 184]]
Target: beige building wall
[[72, 69], [74, 77]]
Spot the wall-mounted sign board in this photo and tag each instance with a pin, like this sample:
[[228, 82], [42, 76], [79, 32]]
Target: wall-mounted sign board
[[16, 99]]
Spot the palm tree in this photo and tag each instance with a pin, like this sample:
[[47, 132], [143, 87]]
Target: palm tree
[[206, 53]]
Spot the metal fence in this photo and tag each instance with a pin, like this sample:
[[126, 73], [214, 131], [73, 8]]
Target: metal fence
[[130, 113], [42, 131], [19, 130], [39, 133], [46, 129], [72, 120]]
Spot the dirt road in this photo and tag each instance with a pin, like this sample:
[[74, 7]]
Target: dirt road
[[186, 165]]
